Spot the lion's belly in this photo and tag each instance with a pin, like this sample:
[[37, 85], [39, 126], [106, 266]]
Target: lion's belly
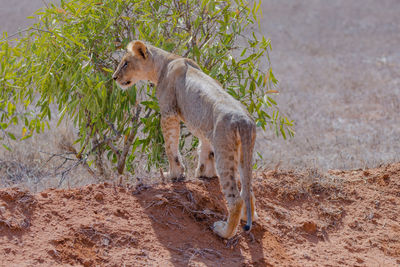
[[198, 132], [198, 122], [200, 100]]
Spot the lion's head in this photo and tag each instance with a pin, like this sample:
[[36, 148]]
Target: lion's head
[[134, 66]]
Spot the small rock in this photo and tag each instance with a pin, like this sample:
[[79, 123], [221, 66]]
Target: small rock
[[44, 194], [106, 242], [67, 195], [99, 196], [25, 223], [386, 178], [310, 227], [6, 196], [53, 252]]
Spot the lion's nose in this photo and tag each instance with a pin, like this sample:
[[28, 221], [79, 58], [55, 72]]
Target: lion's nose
[[114, 77]]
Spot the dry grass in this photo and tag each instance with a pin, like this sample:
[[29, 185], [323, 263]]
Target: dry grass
[[48, 160], [305, 184], [42, 161]]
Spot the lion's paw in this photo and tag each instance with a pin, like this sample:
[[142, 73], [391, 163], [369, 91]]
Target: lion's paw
[[174, 177], [221, 229], [203, 173]]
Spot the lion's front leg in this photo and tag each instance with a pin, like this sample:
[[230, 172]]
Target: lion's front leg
[[171, 130]]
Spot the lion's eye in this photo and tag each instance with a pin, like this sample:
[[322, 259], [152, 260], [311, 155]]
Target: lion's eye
[[125, 65]]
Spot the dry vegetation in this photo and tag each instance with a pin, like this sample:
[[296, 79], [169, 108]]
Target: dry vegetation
[[50, 160]]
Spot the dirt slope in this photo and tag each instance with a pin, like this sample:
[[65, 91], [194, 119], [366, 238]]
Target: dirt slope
[[346, 218]]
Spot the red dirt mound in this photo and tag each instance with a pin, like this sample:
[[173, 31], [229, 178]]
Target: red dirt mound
[[339, 218]]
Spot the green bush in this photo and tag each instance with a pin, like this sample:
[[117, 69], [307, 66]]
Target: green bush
[[69, 55]]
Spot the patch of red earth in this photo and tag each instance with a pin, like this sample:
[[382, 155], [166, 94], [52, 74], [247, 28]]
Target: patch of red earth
[[346, 218]]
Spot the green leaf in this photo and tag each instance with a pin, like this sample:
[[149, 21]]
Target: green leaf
[[6, 147], [107, 70], [11, 135]]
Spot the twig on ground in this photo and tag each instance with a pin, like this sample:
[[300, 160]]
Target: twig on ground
[[193, 252], [232, 243], [140, 187]]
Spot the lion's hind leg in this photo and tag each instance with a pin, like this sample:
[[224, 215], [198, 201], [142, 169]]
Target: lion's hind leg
[[253, 208], [247, 133], [206, 164], [226, 160]]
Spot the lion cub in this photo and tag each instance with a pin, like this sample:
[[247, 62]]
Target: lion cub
[[224, 127]]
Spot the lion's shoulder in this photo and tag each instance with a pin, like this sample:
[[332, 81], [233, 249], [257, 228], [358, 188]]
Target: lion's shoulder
[[178, 68]]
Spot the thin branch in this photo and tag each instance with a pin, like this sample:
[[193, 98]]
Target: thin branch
[[26, 30], [129, 141], [45, 3], [116, 151], [116, 132]]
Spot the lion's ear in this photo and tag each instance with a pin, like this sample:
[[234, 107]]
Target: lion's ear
[[138, 48]]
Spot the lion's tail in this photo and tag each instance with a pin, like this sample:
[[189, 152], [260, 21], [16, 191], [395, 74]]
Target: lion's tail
[[247, 132]]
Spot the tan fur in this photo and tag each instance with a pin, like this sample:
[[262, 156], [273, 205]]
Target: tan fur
[[225, 129]]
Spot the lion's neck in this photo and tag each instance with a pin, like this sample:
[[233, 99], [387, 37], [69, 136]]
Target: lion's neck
[[160, 59]]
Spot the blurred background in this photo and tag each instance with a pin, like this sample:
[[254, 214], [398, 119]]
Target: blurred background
[[14, 13], [338, 66], [338, 63]]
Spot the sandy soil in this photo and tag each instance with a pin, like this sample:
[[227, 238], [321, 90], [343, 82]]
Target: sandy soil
[[340, 218]]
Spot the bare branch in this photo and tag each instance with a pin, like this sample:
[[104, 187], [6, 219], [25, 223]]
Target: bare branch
[[26, 30], [116, 132], [116, 151], [129, 140]]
